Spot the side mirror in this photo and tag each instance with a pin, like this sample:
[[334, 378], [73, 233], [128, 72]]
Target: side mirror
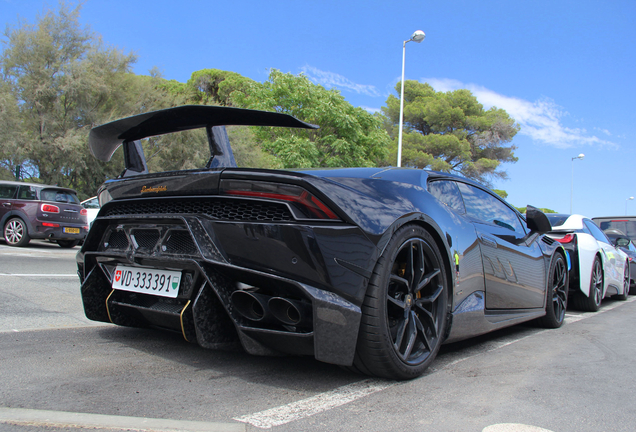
[[537, 220]]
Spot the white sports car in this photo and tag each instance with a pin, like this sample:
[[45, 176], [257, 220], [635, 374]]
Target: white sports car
[[598, 269]]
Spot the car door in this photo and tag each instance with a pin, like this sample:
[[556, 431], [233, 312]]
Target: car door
[[7, 194], [614, 260], [514, 266]]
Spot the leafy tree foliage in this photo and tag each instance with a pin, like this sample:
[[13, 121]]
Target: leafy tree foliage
[[502, 193], [11, 140], [63, 82], [452, 132], [348, 136], [215, 87], [522, 210], [58, 82]]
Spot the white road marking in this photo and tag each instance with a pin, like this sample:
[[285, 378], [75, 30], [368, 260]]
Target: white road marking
[[315, 404], [342, 395], [39, 275], [513, 427], [71, 420]]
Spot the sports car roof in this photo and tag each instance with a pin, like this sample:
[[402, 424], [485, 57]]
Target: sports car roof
[[105, 139]]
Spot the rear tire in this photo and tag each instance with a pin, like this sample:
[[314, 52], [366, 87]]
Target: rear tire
[[557, 297], [592, 303], [16, 233], [404, 314]]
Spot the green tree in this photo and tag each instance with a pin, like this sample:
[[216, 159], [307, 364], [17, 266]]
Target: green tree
[[215, 87], [64, 82], [451, 132], [11, 140], [348, 136], [522, 210]]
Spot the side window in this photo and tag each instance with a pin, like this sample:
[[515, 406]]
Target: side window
[[596, 231], [448, 193], [485, 207], [7, 191], [27, 193]]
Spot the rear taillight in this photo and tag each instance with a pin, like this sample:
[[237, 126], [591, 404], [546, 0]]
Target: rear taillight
[[310, 206], [84, 212], [568, 238], [50, 208], [50, 225]]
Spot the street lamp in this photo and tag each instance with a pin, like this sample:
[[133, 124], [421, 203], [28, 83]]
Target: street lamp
[[628, 199], [418, 37], [581, 156]]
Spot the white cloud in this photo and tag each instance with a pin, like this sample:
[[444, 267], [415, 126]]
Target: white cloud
[[330, 79], [371, 110], [540, 120]]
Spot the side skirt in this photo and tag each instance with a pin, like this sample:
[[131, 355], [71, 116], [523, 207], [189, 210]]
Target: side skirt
[[471, 318]]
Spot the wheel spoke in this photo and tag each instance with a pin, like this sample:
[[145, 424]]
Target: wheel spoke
[[399, 303], [422, 330], [433, 297], [398, 280], [428, 316], [412, 333], [399, 337], [426, 279]]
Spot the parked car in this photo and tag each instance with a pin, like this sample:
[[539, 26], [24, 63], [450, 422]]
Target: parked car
[[620, 240], [92, 208], [598, 268], [369, 268], [625, 224], [37, 211]]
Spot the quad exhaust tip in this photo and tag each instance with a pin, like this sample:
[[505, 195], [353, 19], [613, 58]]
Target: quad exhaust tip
[[266, 309]]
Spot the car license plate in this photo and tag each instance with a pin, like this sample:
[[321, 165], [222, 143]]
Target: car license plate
[[163, 283], [71, 230]]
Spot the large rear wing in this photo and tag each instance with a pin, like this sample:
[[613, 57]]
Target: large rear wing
[[104, 140]]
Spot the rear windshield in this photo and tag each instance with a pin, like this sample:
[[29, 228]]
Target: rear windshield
[[625, 225], [556, 219], [58, 195]]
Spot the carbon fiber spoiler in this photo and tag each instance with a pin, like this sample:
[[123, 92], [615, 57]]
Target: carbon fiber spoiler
[[104, 140]]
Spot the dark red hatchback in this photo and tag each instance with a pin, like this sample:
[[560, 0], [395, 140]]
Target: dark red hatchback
[[36, 211]]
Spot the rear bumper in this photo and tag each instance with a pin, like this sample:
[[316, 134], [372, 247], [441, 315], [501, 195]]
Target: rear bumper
[[58, 233], [284, 260]]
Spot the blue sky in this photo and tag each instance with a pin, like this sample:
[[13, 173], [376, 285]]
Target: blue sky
[[565, 70]]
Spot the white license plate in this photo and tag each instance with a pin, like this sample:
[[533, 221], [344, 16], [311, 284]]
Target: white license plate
[[163, 283]]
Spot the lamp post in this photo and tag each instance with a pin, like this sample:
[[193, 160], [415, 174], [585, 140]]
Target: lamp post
[[628, 199], [581, 156], [418, 37]]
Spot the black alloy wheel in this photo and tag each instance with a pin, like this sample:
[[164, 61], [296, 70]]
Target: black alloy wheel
[[16, 233], [592, 302], [557, 296], [404, 314]]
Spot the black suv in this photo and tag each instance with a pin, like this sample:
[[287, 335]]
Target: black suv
[[36, 211]]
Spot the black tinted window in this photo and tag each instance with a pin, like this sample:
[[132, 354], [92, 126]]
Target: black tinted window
[[483, 206], [625, 225], [57, 195], [596, 231], [448, 193], [7, 191], [556, 219], [27, 193]]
